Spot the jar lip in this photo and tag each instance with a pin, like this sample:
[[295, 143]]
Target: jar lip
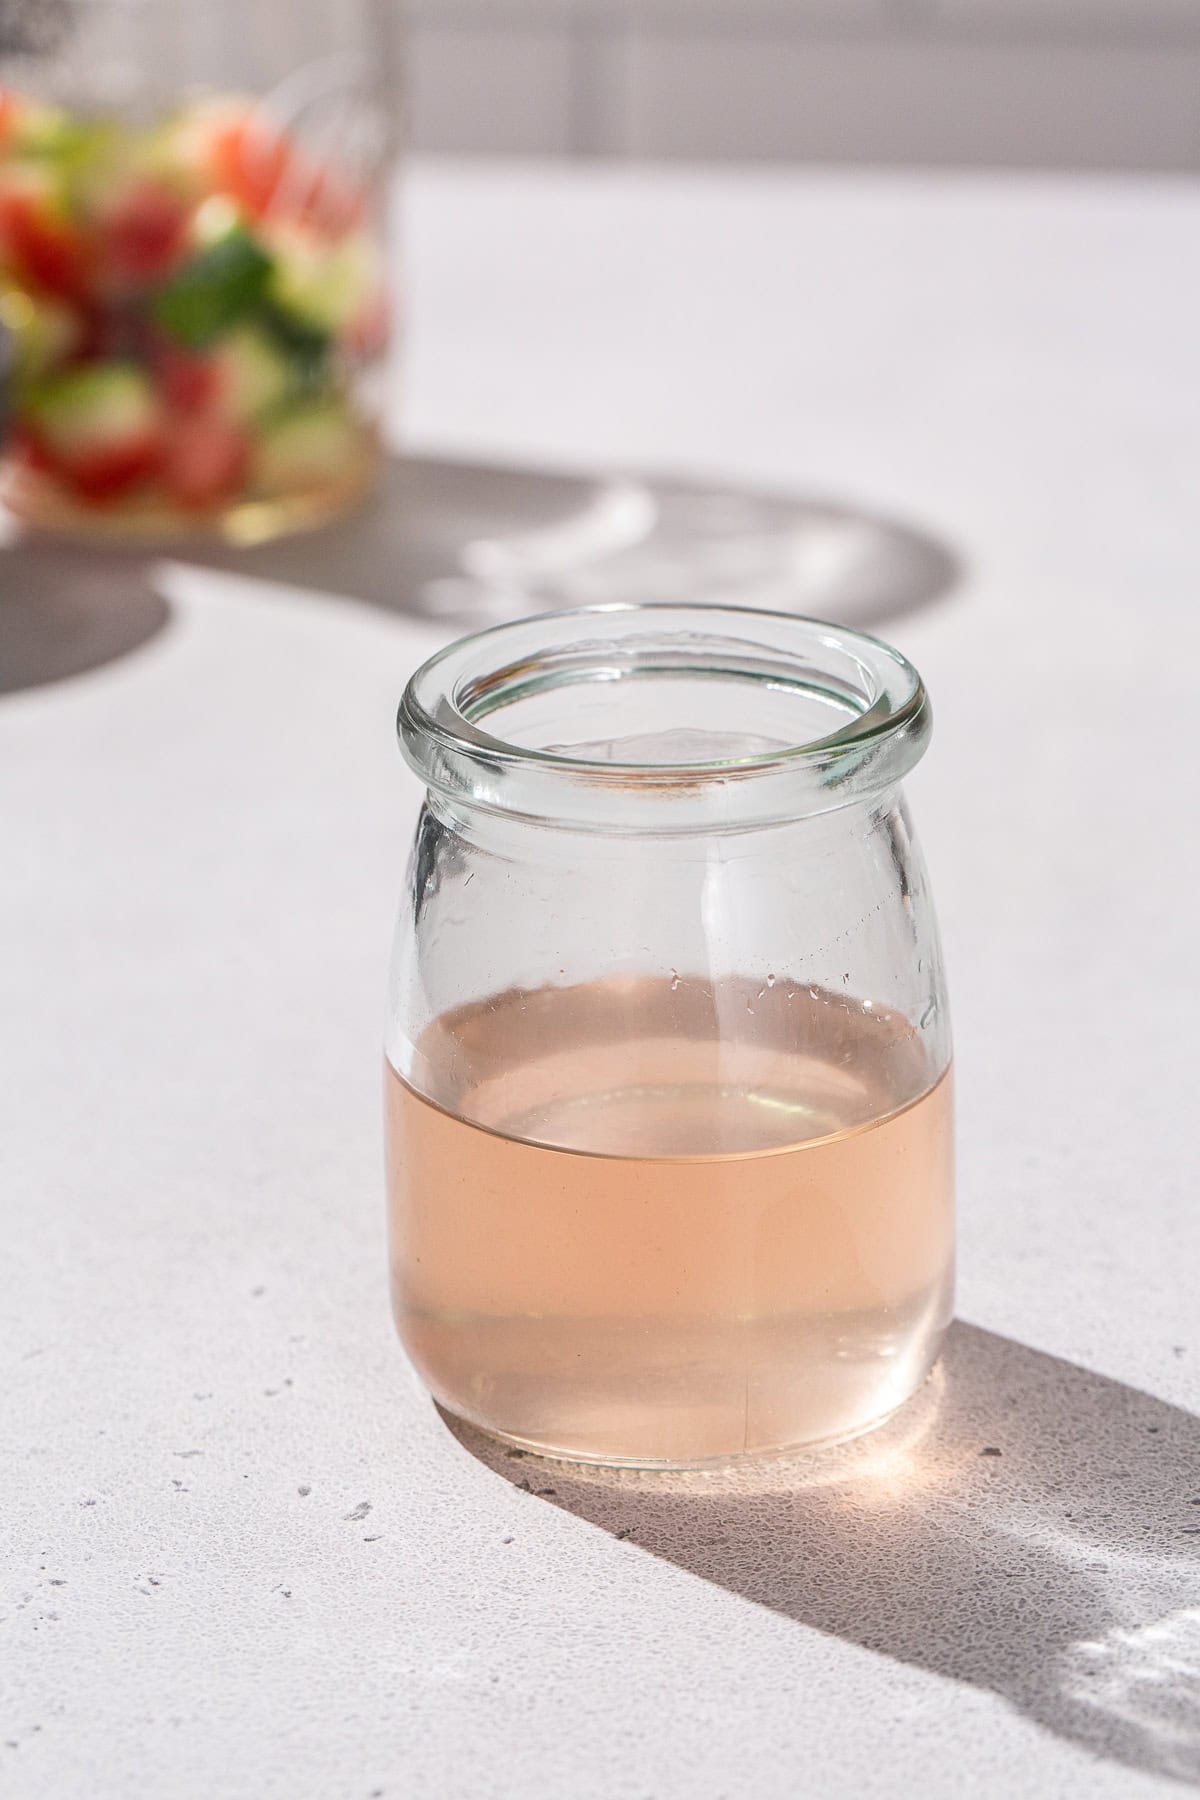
[[446, 741]]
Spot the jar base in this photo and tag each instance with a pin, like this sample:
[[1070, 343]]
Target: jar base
[[729, 1459], [803, 1403]]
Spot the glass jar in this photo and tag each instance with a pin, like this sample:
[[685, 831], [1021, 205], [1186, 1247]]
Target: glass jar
[[191, 260], [668, 1100]]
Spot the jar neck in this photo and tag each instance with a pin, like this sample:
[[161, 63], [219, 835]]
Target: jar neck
[[525, 840]]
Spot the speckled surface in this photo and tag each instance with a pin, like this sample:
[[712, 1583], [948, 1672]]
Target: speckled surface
[[242, 1554]]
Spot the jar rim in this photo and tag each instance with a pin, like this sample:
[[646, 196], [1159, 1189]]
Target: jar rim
[[448, 702]]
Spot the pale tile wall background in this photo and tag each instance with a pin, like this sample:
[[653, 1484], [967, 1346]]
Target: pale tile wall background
[[1100, 84]]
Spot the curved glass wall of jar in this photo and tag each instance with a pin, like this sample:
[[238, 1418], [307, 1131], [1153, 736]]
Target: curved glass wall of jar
[[192, 260], [668, 1096]]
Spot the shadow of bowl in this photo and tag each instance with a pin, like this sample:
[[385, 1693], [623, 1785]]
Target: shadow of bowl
[[65, 612], [470, 544]]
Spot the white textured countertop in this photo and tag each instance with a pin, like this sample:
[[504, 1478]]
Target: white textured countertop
[[242, 1556]]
